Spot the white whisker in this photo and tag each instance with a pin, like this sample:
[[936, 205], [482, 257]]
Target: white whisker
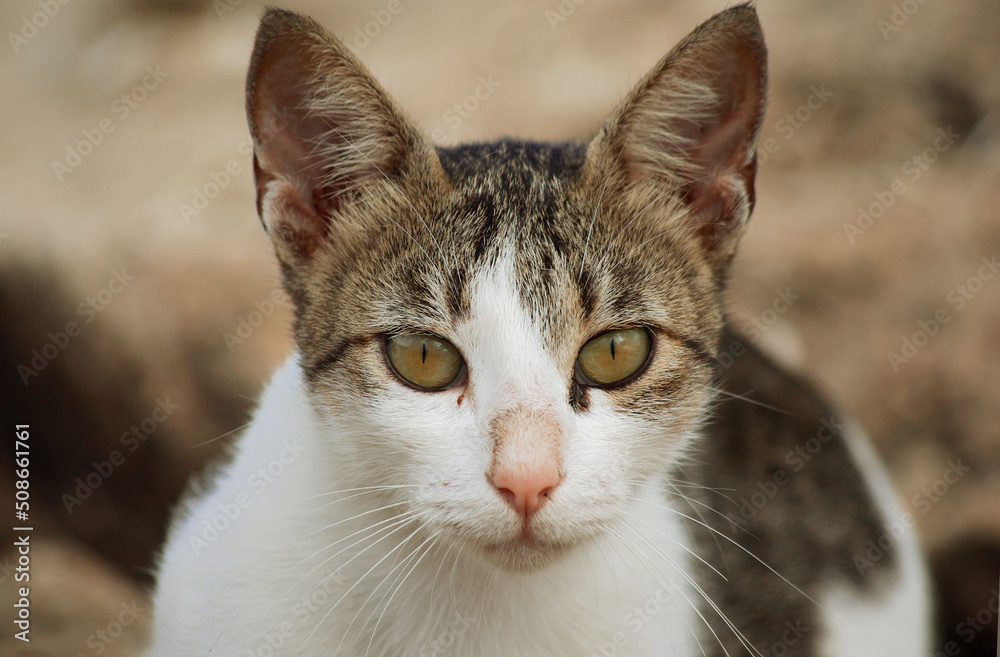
[[675, 542], [748, 400], [395, 523], [433, 539], [673, 586], [744, 549], [353, 586]]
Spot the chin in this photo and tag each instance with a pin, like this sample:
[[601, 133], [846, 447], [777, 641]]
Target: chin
[[524, 553]]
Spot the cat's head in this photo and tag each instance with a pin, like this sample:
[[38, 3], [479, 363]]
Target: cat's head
[[511, 336]]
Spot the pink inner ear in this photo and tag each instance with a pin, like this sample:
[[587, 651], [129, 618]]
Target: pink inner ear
[[285, 167], [692, 127], [298, 222], [724, 150], [287, 136], [721, 141], [323, 129], [720, 146], [698, 116], [291, 168], [280, 152]]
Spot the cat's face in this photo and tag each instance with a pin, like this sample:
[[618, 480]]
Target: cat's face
[[511, 291], [512, 338]]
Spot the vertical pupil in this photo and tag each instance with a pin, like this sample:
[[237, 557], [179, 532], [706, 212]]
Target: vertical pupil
[[612, 348], [423, 354]]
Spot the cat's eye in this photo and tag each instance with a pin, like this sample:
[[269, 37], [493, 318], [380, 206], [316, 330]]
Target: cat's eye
[[613, 357], [423, 360]]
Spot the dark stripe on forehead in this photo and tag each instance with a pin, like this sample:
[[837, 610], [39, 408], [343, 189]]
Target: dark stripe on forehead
[[481, 209], [588, 296]]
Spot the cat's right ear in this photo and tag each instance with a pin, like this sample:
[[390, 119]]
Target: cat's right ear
[[689, 130], [326, 136]]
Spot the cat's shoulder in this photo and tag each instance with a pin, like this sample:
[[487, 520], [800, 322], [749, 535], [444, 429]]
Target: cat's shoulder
[[793, 481]]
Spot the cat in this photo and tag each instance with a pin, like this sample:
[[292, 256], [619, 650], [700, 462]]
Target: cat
[[515, 421]]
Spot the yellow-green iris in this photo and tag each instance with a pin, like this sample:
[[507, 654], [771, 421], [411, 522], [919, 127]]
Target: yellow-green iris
[[614, 356], [426, 361]]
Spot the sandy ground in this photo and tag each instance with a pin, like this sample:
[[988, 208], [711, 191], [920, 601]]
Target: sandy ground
[[131, 258]]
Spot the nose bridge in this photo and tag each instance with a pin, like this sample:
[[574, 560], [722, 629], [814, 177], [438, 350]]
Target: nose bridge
[[515, 373], [522, 386], [528, 433]]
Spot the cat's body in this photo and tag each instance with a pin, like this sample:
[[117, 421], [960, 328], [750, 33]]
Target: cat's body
[[522, 504]]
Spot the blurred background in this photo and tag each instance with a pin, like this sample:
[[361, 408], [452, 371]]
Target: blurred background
[[139, 316]]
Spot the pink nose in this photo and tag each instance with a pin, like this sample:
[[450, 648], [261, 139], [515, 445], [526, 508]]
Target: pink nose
[[526, 490]]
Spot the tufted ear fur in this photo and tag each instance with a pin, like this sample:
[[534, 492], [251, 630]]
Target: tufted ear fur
[[325, 134], [691, 126]]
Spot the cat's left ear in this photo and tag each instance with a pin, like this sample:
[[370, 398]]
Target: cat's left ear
[[691, 127]]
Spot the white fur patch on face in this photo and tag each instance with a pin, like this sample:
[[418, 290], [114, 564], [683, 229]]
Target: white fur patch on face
[[509, 364]]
